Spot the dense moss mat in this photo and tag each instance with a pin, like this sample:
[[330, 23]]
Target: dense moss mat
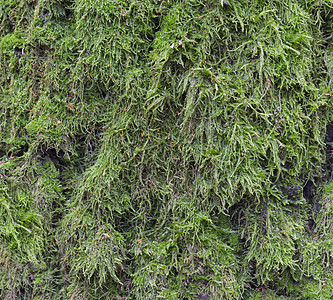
[[166, 149]]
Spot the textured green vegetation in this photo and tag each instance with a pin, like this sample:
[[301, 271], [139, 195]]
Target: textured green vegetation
[[166, 149]]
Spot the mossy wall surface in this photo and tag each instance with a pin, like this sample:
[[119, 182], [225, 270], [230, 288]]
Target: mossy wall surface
[[166, 149]]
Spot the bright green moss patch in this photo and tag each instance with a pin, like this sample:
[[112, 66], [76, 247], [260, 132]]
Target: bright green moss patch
[[166, 149], [10, 42]]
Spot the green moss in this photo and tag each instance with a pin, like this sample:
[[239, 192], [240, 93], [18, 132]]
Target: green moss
[[174, 150], [9, 42]]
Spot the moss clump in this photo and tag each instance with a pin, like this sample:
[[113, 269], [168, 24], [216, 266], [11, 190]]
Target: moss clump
[[166, 149]]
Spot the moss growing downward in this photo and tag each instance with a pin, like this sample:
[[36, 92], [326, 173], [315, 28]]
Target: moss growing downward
[[166, 149]]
